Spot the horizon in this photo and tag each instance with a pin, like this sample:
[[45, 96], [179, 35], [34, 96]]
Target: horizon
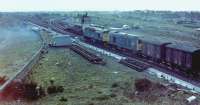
[[44, 11], [96, 5]]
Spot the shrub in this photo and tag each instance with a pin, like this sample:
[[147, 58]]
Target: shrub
[[143, 85]]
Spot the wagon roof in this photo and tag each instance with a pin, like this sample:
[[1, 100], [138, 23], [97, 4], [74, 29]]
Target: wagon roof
[[61, 36], [185, 46], [122, 33], [155, 40], [97, 29]]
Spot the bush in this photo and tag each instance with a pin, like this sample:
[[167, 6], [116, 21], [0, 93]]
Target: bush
[[55, 89], [63, 99], [3, 79], [30, 91], [143, 85], [114, 85], [26, 91], [51, 89]]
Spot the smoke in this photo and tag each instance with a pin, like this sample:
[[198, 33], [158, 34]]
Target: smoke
[[13, 35], [17, 45], [2, 38]]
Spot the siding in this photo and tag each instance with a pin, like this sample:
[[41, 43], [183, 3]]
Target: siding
[[173, 79]]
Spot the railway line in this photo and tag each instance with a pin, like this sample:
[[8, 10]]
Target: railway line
[[87, 55], [135, 64], [25, 70], [143, 65], [146, 65]]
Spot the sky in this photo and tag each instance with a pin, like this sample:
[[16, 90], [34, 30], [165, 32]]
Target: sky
[[98, 5]]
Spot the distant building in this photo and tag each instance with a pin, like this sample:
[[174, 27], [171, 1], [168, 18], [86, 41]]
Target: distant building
[[197, 29], [35, 28], [125, 27], [61, 41]]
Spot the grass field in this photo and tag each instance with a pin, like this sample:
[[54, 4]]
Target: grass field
[[16, 49], [160, 24], [82, 81], [88, 84]]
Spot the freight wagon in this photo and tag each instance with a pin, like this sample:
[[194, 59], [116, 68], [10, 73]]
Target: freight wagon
[[184, 56], [153, 48]]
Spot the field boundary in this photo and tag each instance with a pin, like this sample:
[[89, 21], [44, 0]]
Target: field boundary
[[26, 69]]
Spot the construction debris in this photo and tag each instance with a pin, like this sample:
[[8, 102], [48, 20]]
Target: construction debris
[[191, 99], [3, 79]]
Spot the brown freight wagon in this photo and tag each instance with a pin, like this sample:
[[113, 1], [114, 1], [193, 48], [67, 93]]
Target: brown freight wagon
[[184, 56], [153, 48]]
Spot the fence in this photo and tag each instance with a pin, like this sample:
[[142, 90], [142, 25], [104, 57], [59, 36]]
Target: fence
[[26, 69]]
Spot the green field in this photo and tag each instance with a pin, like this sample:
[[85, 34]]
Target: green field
[[16, 49], [88, 84], [150, 23]]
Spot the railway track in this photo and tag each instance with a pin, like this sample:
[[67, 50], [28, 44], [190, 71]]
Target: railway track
[[135, 64], [58, 28], [87, 55], [25, 70], [142, 64]]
